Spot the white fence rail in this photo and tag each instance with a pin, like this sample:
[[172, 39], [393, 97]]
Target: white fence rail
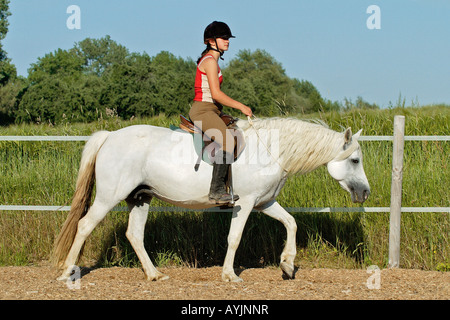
[[288, 209], [85, 138], [395, 209], [44, 138]]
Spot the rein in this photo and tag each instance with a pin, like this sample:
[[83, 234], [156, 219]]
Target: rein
[[250, 121]]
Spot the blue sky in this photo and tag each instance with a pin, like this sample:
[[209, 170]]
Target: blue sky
[[326, 42]]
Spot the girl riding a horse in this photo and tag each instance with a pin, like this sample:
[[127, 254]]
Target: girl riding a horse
[[207, 107]]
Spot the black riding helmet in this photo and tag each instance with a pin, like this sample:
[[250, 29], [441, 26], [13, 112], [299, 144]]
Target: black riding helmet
[[215, 30]]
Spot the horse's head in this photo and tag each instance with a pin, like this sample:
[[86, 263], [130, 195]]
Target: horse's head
[[347, 168]]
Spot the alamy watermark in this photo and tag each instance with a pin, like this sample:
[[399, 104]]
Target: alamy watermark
[[261, 149], [374, 281], [374, 20], [74, 280], [74, 20]]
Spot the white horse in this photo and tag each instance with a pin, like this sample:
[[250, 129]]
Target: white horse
[[140, 162]]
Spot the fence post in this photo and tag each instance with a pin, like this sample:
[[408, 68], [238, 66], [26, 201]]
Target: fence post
[[396, 192]]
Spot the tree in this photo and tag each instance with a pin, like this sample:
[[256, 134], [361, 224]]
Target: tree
[[63, 63], [100, 54], [10, 95], [58, 99], [257, 80], [10, 85], [4, 14], [59, 90], [69, 85], [148, 86], [173, 83], [129, 88], [313, 99]]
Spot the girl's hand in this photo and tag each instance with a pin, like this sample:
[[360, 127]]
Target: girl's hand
[[246, 110]]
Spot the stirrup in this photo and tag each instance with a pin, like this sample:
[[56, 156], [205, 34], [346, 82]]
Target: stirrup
[[224, 199]]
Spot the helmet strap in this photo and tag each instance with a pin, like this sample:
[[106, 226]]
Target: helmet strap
[[217, 49]]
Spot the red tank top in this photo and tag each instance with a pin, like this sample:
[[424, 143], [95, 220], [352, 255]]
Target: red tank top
[[201, 86]]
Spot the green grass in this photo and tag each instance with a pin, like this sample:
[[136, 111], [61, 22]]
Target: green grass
[[44, 173]]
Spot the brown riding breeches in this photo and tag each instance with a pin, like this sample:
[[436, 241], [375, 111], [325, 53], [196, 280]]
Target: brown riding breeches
[[206, 116]]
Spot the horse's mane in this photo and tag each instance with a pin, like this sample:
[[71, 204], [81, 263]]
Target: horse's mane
[[303, 145]]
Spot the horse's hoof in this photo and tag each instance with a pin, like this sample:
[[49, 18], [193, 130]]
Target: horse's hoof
[[62, 278], [158, 277], [233, 278], [288, 270], [163, 277]]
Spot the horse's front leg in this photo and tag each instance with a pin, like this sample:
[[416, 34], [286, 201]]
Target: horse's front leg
[[241, 211], [274, 210]]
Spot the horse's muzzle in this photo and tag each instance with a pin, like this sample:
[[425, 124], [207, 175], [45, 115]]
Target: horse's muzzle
[[360, 194]]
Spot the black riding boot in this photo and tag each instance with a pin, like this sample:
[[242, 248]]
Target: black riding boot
[[218, 191]]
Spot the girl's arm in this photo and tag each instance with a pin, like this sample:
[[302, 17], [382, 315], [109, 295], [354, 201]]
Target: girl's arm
[[211, 70]]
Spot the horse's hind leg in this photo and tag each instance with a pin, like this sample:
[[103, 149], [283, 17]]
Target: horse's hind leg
[[135, 234], [92, 218]]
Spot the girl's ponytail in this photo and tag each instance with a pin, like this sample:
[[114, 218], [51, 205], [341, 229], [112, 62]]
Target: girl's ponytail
[[208, 47]]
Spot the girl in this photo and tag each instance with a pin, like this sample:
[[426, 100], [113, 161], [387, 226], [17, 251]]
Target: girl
[[207, 107]]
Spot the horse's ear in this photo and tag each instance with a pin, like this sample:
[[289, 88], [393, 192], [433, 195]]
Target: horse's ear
[[347, 137], [356, 135]]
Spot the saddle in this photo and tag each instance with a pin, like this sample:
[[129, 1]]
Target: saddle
[[209, 145], [188, 126]]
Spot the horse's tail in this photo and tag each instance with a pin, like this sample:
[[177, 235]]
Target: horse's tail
[[81, 199]]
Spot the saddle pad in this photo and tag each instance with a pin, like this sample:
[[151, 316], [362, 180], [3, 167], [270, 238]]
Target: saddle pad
[[199, 144], [205, 152]]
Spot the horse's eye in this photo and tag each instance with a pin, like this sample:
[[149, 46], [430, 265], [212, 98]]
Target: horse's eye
[[355, 161]]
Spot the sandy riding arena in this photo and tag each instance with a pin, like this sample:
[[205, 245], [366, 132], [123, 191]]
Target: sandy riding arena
[[33, 283]]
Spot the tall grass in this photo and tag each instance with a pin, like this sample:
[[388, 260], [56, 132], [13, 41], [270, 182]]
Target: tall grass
[[44, 173]]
